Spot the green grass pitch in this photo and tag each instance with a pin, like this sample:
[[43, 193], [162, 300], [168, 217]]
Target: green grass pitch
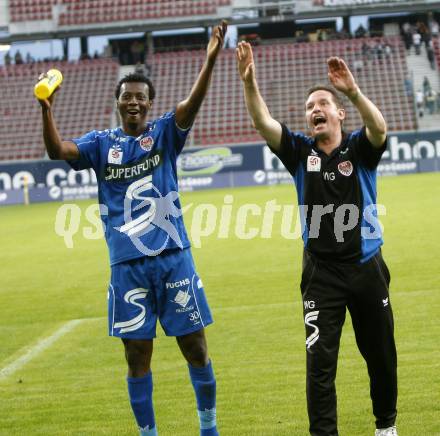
[[77, 385]]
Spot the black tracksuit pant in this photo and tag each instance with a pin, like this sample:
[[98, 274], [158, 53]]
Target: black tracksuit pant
[[327, 289]]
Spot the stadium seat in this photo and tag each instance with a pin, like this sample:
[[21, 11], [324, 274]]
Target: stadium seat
[[436, 43], [82, 105], [80, 12], [284, 72]]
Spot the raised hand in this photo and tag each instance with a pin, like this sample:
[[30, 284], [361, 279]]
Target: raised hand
[[216, 41], [340, 76], [245, 62]]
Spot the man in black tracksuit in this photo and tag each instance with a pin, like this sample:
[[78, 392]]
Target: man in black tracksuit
[[335, 178]]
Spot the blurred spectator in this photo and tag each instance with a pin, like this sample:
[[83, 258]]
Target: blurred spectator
[[322, 35], [29, 59], [431, 99], [406, 27], [366, 51], [388, 50], [424, 32], [18, 58], [420, 102], [433, 27], [379, 49], [431, 55], [417, 41], [360, 32], [358, 64], [408, 86], [407, 35], [426, 86], [300, 36], [7, 58]]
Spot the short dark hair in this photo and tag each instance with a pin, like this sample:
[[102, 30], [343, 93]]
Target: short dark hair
[[138, 78], [321, 87]]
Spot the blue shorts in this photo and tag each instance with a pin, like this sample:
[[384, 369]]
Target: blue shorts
[[165, 287]]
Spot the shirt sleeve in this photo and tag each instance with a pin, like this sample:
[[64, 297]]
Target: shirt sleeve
[[88, 146], [365, 151], [176, 136], [289, 150]]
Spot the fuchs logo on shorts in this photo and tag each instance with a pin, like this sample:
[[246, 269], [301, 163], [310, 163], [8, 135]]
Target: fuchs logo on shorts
[[178, 284], [182, 298], [345, 168], [147, 143], [313, 164], [115, 155]]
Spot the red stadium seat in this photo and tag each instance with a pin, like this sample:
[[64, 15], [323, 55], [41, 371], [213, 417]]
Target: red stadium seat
[[21, 113], [285, 71], [92, 11]]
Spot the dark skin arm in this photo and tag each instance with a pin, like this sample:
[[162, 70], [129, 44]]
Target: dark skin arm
[[57, 149], [187, 109]]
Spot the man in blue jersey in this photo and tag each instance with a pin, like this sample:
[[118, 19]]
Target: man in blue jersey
[[152, 270], [335, 178]]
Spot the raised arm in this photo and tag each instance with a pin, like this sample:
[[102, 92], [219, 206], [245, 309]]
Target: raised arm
[[267, 127], [342, 79], [56, 148], [187, 109]]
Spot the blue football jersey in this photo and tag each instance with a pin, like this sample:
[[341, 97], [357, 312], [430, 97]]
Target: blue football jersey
[[137, 185]]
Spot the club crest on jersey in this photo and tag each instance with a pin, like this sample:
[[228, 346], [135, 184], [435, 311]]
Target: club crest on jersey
[[147, 143], [345, 168], [313, 164], [115, 155]]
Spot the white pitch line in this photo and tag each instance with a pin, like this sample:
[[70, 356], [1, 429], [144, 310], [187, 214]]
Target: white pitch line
[[40, 346], [70, 325]]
